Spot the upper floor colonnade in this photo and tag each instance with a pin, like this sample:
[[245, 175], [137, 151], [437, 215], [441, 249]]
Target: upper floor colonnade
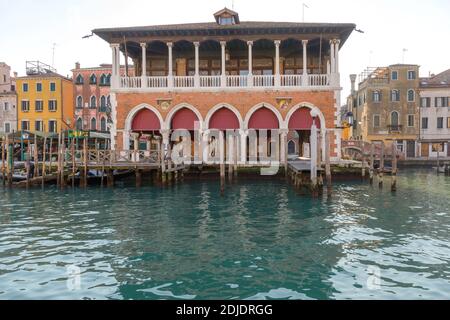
[[220, 70]]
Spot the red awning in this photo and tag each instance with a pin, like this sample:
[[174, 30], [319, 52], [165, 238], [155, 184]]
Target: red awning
[[302, 120], [146, 120], [263, 119], [224, 119], [184, 119]]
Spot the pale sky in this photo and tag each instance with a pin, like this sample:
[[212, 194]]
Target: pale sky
[[29, 28]]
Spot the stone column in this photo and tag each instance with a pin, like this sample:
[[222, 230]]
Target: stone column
[[170, 73], [277, 63], [250, 63], [283, 146], [305, 81], [336, 55], [197, 65], [144, 65], [332, 57], [243, 135], [224, 74], [115, 75]]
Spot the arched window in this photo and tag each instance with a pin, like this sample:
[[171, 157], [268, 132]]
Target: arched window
[[93, 102], [79, 79], [291, 147], [103, 124], [93, 124], [103, 80], [411, 95], [108, 79], [103, 102], [93, 79], [79, 102], [376, 96], [395, 95], [394, 119], [79, 124], [108, 101]]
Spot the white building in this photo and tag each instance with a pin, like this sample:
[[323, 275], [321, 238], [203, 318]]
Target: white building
[[8, 100], [435, 116]]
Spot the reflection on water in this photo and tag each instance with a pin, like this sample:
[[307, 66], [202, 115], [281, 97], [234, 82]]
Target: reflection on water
[[260, 241]]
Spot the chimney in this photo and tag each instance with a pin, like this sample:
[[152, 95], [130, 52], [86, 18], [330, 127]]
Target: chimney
[[77, 65], [15, 74], [353, 81]]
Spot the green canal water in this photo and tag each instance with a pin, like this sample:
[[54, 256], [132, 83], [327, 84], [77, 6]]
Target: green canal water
[[260, 241]]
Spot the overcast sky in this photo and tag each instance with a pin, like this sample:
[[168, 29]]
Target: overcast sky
[[28, 29]]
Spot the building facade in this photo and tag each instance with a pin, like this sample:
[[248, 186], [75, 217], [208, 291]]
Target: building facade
[[8, 100], [92, 96], [435, 116], [385, 107], [227, 75], [45, 100]]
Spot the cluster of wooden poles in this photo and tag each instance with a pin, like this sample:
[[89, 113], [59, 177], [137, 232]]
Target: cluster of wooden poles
[[381, 169]]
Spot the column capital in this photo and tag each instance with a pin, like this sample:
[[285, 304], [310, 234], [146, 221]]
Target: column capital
[[115, 45], [305, 42], [170, 44], [250, 43], [143, 45], [196, 44], [337, 41], [223, 43], [277, 43]]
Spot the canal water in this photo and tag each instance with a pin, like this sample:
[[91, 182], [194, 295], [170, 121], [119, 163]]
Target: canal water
[[260, 241]]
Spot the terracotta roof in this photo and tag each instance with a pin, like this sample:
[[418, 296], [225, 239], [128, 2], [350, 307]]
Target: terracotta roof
[[213, 29], [441, 80]]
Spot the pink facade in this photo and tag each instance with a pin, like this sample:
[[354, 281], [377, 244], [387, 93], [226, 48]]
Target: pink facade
[[92, 96]]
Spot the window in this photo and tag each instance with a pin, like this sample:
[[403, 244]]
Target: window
[[79, 124], [25, 87], [52, 126], [448, 123], [93, 124], [108, 101], [25, 125], [104, 80], [39, 105], [79, 102], [395, 95], [93, 79], [441, 102], [425, 102], [38, 125], [411, 120], [411, 75], [93, 102], [103, 102], [226, 21], [79, 80], [376, 96], [394, 119], [108, 80], [39, 87], [25, 106], [103, 124], [6, 106], [394, 75], [52, 105], [440, 123], [52, 86], [376, 121], [411, 96], [424, 123], [7, 127], [400, 146]]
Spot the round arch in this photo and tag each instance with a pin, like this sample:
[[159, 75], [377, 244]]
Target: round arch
[[252, 111], [129, 121], [172, 113], [312, 108], [219, 106]]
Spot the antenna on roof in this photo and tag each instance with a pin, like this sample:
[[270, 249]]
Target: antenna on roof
[[53, 55], [232, 4], [304, 6], [404, 53]]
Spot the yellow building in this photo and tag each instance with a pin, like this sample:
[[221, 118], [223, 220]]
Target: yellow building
[[45, 102]]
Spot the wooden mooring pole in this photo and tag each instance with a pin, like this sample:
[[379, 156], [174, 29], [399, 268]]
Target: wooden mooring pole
[[84, 174], [381, 168], [222, 163], [36, 157], [58, 174], [328, 163], [44, 155], [394, 167], [27, 165], [314, 160], [372, 162], [3, 146], [9, 161]]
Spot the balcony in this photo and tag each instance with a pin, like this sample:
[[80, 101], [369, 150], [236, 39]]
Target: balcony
[[233, 82], [395, 128]]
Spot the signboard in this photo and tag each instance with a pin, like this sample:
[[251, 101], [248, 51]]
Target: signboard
[[78, 134]]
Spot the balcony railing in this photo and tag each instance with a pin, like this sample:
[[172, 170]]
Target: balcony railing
[[231, 81], [395, 128]]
